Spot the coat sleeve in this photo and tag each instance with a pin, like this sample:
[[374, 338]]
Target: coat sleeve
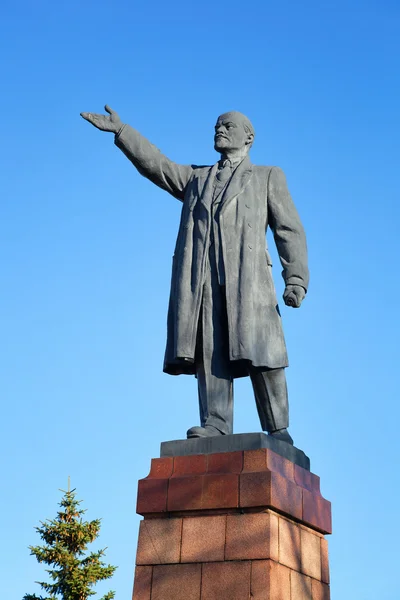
[[151, 163], [288, 231]]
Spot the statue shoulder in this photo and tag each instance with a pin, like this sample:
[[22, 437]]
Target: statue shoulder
[[263, 171], [264, 168]]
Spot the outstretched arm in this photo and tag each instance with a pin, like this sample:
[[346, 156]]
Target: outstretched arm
[[289, 237], [148, 160]]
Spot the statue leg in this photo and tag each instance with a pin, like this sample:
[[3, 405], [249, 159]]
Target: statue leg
[[270, 391], [213, 372]]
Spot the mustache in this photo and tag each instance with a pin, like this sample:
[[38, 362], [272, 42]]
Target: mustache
[[220, 135]]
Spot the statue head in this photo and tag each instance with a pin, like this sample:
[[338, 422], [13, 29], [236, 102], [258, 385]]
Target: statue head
[[234, 133]]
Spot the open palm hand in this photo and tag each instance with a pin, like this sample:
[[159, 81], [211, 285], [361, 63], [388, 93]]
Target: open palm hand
[[110, 122]]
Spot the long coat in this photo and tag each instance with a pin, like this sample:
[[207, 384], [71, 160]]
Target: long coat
[[256, 197]]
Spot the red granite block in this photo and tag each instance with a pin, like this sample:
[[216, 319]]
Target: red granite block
[[267, 460], [203, 492], [250, 536], [302, 477], [310, 554], [185, 493], [280, 465], [289, 544], [254, 460], [203, 539], [255, 488], [159, 541], [320, 591], [270, 489], [161, 468], [225, 462], [176, 582], [300, 586], [226, 581], [220, 491], [324, 561], [142, 583], [190, 465], [152, 496], [317, 511], [286, 496], [306, 479], [260, 580], [269, 581], [274, 532]]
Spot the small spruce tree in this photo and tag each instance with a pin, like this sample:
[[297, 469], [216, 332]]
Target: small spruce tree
[[65, 544]]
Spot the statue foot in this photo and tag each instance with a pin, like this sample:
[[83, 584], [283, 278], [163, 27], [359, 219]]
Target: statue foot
[[283, 435], [201, 432]]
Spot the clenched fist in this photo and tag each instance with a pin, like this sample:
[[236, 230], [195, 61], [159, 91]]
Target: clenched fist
[[294, 295]]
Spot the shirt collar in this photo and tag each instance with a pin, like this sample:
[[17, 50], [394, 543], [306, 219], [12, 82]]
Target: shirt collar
[[233, 163]]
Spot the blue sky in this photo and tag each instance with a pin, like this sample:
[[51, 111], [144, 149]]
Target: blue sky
[[86, 247]]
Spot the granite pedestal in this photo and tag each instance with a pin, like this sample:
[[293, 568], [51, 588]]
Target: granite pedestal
[[234, 525], [234, 443]]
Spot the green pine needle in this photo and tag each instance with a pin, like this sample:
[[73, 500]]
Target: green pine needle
[[66, 538]]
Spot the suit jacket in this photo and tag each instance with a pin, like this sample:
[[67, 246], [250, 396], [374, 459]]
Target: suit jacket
[[256, 197]]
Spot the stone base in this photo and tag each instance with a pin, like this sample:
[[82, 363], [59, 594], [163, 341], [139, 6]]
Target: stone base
[[231, 526], [235, 443], [236, 557]]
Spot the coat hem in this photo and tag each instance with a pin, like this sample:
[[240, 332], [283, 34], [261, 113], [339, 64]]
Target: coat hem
[[240, 367]]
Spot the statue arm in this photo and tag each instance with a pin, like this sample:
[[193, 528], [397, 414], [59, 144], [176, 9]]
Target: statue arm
[[288, 231], [147, 158], [152, 164]]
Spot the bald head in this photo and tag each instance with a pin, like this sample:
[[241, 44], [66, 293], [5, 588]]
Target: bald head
[[234, 134], [238, 117]]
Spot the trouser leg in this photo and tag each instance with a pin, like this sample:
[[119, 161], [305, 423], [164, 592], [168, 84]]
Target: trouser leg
[[215, 383], [270, 391]]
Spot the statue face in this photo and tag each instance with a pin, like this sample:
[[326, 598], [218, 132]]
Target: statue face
[[230, 134]]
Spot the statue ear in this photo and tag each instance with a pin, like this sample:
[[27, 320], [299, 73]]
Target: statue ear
[[250, 139]]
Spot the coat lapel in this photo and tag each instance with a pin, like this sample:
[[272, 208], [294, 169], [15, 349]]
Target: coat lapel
[[237, 182], [206, 193]]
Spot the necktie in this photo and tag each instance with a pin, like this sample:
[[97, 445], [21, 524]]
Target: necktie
[[222, 177]]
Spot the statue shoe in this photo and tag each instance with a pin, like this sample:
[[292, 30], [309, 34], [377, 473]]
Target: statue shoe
[[283, 435], [202, 432]]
